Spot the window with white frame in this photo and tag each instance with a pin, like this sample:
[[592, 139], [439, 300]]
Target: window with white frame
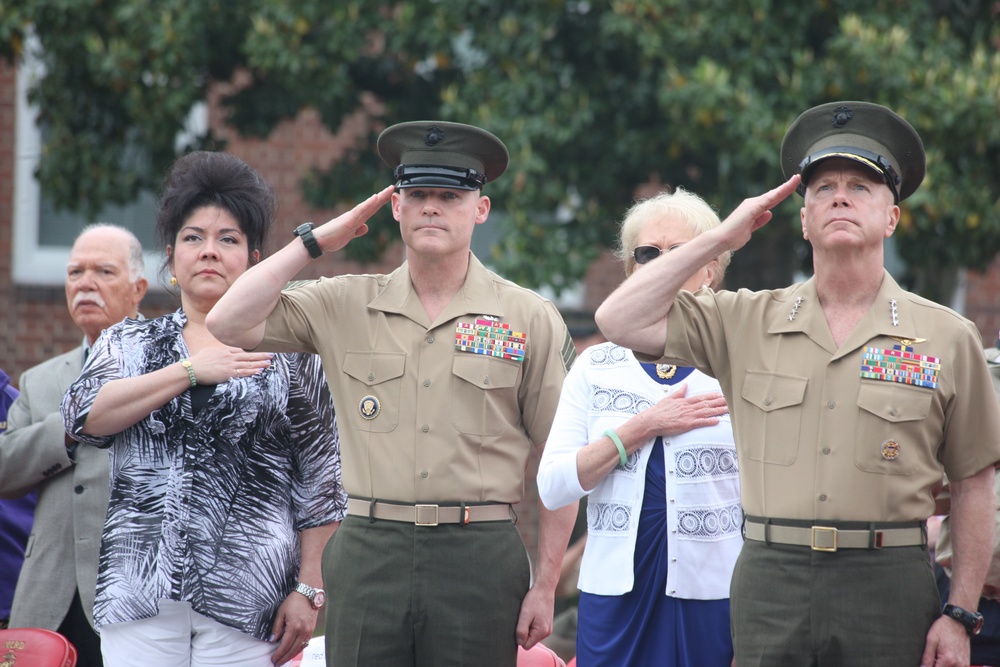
[[43, 234]]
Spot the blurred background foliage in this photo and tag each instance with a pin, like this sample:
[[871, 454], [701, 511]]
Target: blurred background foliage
[[592, 98]]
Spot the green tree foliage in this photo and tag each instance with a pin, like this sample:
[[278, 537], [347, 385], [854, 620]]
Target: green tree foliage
[[592, 98]]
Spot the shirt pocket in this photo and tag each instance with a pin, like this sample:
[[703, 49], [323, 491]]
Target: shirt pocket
[[484, 394], [891, 421], [771, 425], [375, 387]]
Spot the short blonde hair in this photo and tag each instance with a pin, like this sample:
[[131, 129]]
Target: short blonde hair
[[695, 211]]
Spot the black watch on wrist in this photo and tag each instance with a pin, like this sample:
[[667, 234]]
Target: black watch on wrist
[[972, 620], [305, 232]]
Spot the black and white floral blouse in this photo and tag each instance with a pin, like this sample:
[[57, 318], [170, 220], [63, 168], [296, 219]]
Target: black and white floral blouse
[[206, 504]]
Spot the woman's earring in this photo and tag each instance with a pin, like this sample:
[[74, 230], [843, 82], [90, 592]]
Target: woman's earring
[[173, 281]]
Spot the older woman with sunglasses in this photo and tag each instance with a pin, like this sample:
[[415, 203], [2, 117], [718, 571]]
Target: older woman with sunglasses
[[653, 448]]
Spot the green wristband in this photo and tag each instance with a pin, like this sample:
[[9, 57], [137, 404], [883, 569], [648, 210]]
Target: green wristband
[[622, 456], [186, 363]]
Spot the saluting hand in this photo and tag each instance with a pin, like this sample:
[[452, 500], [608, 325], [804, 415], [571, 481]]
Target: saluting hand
[[338, 232], [753, 213]]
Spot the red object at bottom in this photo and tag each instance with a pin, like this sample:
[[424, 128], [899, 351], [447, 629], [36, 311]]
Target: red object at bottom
[[35, 647]]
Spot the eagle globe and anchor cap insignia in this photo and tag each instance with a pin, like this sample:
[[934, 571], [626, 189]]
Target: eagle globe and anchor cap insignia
[[841, 116], [434, 135], [369, 407]]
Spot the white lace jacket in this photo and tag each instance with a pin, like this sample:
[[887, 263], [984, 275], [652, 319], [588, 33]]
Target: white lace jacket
[[605, 387]]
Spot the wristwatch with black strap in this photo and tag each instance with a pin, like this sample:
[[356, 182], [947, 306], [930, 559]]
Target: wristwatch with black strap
[[317, 597], [972, 620], [305, 232]]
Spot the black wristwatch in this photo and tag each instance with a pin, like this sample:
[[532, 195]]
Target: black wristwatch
[[972, 620], [305, 232]]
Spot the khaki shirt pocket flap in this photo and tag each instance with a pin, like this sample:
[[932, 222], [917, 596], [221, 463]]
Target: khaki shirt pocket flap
[[770, 391], [485, 372], [895, 402], [374, 368]]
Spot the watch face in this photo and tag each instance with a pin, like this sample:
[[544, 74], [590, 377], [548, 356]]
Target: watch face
[[319, 599], [973, 621]]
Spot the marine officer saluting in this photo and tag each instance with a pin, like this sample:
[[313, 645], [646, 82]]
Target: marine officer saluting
[[849, 398], [445, 377]]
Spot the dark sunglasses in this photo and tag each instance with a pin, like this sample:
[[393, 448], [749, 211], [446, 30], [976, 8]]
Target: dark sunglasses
[[647, 253]]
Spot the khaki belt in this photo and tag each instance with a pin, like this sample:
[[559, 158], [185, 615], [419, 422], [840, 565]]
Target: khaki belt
[[831, 538], [427, 515]]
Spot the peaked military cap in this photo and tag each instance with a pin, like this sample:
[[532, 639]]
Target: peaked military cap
[[861, 131], [438, 154]]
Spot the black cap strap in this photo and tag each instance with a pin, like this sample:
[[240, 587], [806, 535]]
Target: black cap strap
[[872, 160], [437, 176]]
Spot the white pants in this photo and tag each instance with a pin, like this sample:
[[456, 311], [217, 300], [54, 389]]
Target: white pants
[[180, 637]]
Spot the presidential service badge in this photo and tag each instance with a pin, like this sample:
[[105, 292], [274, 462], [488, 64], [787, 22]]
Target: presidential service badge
[[369, 407]]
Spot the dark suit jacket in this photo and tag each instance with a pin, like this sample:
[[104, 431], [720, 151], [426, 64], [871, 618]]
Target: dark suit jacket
[[62, 551]]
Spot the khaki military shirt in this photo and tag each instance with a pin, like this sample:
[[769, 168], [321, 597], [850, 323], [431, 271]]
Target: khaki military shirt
[[822, 432], [945, 546], [426, 412]]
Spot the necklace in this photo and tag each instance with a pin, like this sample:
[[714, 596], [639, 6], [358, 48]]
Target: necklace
[[665, 371]]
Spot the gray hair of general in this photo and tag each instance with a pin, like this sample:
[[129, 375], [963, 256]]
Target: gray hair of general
[[136, 263], [695, 211]]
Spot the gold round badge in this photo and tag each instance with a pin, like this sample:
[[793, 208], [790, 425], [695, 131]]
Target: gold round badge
[[369, 407], [890, 450]]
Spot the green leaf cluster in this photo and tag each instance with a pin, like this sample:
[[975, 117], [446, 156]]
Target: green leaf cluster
[[592, 97]]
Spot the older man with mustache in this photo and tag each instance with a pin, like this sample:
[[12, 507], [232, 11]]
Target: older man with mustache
[[55, 590]]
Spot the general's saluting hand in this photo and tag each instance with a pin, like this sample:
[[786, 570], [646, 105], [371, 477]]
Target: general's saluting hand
[[753, 213]]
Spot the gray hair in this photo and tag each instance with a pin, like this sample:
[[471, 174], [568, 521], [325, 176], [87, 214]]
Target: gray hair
[[695, 211], [136, 263]]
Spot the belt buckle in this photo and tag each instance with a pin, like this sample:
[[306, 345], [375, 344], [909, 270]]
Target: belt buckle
[[421, 512], [817, 530]]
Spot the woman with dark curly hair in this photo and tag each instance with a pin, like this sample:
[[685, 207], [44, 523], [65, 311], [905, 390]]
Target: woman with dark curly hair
[[225, 482]]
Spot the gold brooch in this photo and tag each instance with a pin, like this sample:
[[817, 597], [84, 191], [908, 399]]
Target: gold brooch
[[665, 371]]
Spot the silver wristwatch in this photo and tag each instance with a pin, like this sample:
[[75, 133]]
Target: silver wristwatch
[[317, 597]]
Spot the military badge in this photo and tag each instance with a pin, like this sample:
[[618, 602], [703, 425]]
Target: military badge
[[369, 407], [890, 450], [489, 337]]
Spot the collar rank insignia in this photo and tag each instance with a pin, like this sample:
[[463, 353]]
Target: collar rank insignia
[[488, 336], [900, 364], [795, 309]]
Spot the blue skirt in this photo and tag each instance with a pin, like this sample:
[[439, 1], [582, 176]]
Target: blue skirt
[[646, 626]]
